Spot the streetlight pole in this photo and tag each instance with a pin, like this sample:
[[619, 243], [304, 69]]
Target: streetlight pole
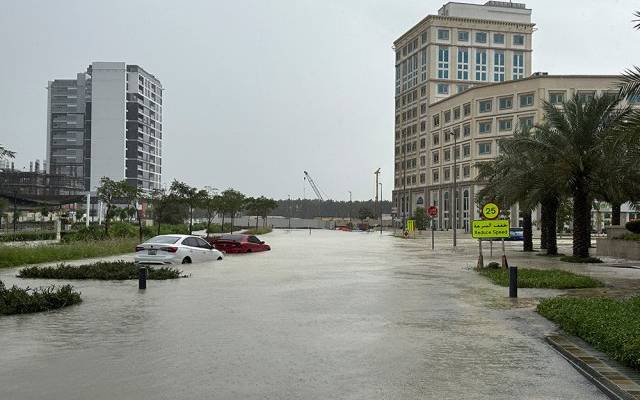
[[404, 181], [289, 211], [455, 189], [349, 206], [381, 208]]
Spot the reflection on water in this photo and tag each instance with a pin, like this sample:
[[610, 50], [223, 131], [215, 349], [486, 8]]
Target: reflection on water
[[326, 315]]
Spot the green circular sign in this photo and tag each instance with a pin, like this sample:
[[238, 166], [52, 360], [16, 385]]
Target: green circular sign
[[490, 211]]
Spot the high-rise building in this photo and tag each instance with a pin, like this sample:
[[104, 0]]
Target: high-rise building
[[465, 45], [106, 123]]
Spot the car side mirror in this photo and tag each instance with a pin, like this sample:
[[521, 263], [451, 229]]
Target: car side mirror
[[262, 242]]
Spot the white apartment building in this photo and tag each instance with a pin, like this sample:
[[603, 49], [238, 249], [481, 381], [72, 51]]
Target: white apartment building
[[465, 45]]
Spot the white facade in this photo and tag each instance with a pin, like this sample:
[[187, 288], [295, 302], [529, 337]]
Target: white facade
[[108, 121], [492, 10]]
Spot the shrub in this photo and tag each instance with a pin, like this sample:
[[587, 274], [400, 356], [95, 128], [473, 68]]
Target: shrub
[[633, 226], [632, 236], [575, 259], [538, 278], [611, 326], [27, 236], [258, 231], [492, 265], [114, 270], [23, 301]]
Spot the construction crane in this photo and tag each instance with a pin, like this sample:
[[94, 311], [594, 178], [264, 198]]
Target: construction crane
[[315, 188]]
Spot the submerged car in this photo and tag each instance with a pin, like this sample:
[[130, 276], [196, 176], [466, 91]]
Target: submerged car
[[175, 249], [515, 234], [239, 244]]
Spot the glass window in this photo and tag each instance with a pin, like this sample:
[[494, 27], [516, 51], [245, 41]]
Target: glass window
[[435, 157], [466, 150], [424, 37], [443, 34], [447, 155], [423, 143], [447, 174], [466, 130], [498, 66], [466, 109], [463, 63], [436, 120], [462, 88], [518, 40], [518, 65], [498, 38], [463, 36], [484, 148], [436, 139], [484, 127], [481, 65], [556, 98], [435, 175], [443, 62], [505, 103], [586, 96], [456, 113], [447, 116], [504, 125], [443, 88], [526, 100], [466, 172], [526, 122], [422, 178], [484, 106], [481, 37]]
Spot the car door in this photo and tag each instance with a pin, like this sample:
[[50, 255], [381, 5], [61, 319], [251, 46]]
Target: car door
[[193, 248], [254, 243], [206, 250]]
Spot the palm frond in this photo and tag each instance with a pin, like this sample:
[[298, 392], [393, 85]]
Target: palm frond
[[629, 85], [636, 20]]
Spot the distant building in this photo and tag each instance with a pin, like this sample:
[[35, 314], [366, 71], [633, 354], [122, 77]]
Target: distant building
[[106, 122]]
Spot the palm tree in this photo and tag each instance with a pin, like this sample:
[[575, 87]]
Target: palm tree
[[577, 137], [630, 82], [6, 153]]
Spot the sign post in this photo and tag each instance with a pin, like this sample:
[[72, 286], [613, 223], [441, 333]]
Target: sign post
[[433, 212], [490, 228]]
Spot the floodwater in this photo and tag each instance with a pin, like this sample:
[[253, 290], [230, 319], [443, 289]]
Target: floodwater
[[327, 315]]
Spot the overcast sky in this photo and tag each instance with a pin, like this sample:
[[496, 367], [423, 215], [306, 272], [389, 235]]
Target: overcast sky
[[258, 91]]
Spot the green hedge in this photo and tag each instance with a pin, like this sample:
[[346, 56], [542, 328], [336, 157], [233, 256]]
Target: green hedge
[[22, 301], [611, 326], [633, 226], [259, 231], [114, 270], [539, 278], [27, 236]]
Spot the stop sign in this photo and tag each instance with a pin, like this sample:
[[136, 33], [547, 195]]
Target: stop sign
[[432, 211]]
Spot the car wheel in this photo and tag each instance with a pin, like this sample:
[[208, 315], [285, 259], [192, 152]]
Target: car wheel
[[248, 250], [220, 258], [186, 260]]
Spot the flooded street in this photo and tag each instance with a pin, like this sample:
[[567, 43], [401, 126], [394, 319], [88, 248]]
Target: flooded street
[[331, 315]]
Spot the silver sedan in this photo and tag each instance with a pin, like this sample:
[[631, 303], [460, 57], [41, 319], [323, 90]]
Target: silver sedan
[[175, 249]]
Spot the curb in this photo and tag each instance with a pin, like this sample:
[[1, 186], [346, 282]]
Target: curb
[[612, 382]]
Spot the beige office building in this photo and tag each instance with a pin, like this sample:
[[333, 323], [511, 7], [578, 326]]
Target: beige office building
[[463, 46]]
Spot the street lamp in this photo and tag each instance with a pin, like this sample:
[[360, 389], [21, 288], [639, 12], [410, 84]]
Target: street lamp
[[289, 211], [381, 208], [455, 188], [350, 207]]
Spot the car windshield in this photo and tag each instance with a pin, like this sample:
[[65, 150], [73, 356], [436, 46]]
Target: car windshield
[[233, 238], [162, 239], [516, 229]]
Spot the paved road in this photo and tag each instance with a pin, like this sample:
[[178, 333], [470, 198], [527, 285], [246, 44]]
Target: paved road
[[331, 315]]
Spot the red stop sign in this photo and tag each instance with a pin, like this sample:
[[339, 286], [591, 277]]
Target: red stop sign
[[432, 211]]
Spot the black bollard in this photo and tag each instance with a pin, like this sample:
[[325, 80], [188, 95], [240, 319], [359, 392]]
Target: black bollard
[[142, 278], [513, 281]]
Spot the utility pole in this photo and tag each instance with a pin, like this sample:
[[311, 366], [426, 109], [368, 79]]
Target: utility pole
[[376, 173], [289, 211], [455, 189], [381, 208], [404, 181], [349, 206]]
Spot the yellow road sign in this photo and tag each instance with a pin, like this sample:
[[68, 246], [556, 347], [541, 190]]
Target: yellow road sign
[[485, 229], [411, 225], [490, 211]]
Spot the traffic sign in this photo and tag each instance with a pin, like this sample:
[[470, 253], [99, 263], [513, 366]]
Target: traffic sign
[[485, 229], [432, 211], [411, 225], [490, 211]]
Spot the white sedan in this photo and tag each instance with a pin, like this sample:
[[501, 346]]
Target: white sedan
[[175, 249]]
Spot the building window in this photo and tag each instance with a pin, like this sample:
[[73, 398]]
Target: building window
[[447, 155], [505, 103], [498, 38], [526, 100], [484, 127], [504, 125], [424, 37], [447, 174], [443, 88], [466, 109], [436, 120], [466, 150], [481, 65], [556, 98], [463, 36], [423, 66], [423, 91], [423, 108], [456, 152], [447, 137], [435, 157], [462, 88], [484, 106], [423, 126], [443, 62], [443, 34], [585, 96], [463, 63], [435, 175], [435, 139], [466, 130], [518, 65], [423, 143], [456, 113], [484, 148], [447, 116], [422, 178], [423, 161], [466, 172], [518, 40], [481, 37], [498, 66], [526, 122]]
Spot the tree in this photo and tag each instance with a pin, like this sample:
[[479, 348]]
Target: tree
[[365, 213], [265, 206], [133, 197], [232, 202], [6, 153], [189, 195], [211, 204], [421, 219], [252, 205], [166, 209], [108, 192]]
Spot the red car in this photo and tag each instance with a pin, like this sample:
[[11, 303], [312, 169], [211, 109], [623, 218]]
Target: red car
[[239, 244]]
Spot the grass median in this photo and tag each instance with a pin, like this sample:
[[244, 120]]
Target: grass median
[[112, 270], [15, 256], [541, 278], [611, 326], [16, 300]]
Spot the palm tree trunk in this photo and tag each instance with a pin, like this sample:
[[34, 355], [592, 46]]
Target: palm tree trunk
[[190, 220], [256, 221], [232, 218], [544, 226], [222, 226], [527, 245], [615, 213], [158, 228], [550, 207], [106, 221], [581, 223]]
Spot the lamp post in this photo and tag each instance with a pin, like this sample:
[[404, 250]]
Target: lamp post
[[350, 207], [381, 208], [455, 189], [289, 211]]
